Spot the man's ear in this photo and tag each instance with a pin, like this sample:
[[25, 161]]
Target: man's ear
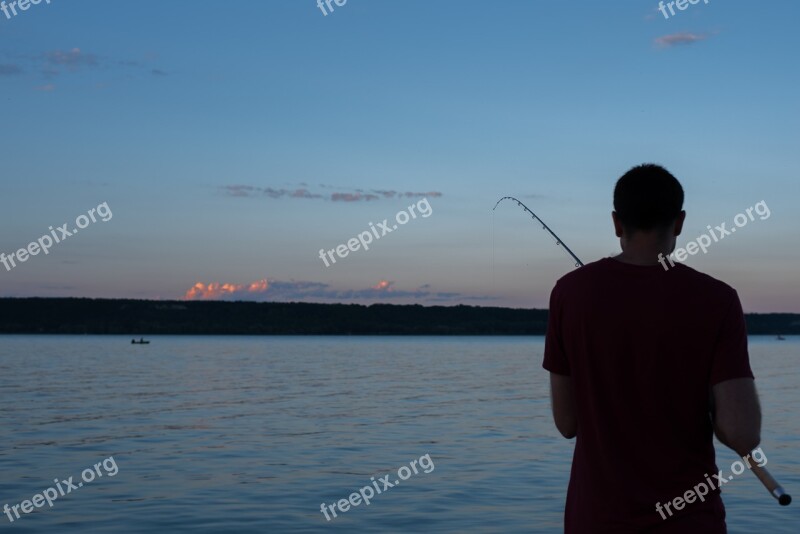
[[679, 222], [617, 223]]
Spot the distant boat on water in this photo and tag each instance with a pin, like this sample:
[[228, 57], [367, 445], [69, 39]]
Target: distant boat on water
[[780, 337], [140, 342]]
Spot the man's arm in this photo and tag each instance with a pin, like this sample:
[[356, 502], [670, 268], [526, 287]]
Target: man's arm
[[737, 414], [563, 405]]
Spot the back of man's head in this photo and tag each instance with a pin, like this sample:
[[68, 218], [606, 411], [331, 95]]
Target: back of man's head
[[647, 197]]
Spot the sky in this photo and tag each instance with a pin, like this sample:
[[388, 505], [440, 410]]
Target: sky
[[227, 144]]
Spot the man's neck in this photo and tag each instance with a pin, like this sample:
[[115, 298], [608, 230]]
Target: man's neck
[[648, 258]]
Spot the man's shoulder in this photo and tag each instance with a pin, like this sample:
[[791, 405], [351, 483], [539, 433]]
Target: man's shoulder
[[585, 272], [699, 280], [681, 276], [586, 276]]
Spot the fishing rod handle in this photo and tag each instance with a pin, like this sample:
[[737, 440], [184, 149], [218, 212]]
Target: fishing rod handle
[[775, 489]]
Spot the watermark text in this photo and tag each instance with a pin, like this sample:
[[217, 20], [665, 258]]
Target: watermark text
[[364, 239], [680, 4], [366, 493], [63, 487], [701, 490], [703, 241], [44, 243], [10, 9]]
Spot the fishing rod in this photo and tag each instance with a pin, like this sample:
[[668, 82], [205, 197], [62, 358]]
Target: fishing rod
[[774, 489], [578, 263]]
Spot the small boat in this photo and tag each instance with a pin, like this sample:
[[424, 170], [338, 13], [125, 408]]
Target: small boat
[[780, 338], [140, 342]]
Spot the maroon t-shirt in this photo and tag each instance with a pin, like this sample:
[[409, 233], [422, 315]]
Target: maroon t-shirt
[[643, 347]]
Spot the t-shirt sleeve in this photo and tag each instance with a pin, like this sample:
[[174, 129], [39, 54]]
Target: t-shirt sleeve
[[555, 357], [730, 357]]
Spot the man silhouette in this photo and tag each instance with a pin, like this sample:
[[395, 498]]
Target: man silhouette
[[638, 358]]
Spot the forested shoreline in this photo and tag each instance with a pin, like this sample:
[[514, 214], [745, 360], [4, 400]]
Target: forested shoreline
[[150, 317]]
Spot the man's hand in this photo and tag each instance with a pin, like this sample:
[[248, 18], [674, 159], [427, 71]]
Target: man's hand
[[737, 414]]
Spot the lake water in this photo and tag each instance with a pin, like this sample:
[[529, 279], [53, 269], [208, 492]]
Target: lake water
[[253, 434]]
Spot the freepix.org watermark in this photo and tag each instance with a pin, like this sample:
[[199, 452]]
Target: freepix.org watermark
[[701, 490], [680, 4], [10, 9], [365, 238], [322, 3], [62, 488], [44, 243], [704, 241], [366, 493]]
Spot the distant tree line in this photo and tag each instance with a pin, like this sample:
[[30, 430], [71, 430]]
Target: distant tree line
[[147, 317]]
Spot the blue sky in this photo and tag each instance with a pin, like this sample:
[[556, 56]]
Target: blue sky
[[232, 141]]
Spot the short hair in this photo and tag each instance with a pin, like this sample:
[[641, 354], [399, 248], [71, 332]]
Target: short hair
[[647, 197]]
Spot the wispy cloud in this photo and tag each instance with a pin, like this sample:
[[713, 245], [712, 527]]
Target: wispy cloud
[[239, 190], [72, 59], [54, 63], [683, 38], [296, 193], [407, 194], [270, 290], [353, 195], [7, 69], [247, 191]]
